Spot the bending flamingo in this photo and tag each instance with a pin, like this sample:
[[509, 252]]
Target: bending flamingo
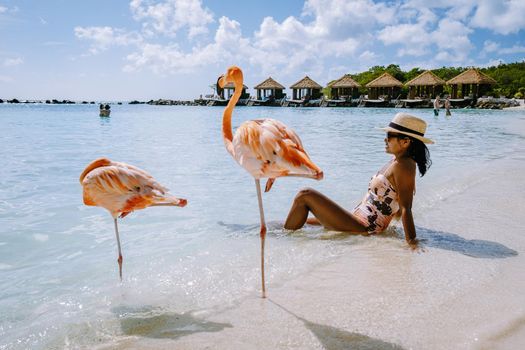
[[122, 188], [266, 148]]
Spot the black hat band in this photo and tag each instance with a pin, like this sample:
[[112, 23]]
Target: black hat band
[[402, 128]]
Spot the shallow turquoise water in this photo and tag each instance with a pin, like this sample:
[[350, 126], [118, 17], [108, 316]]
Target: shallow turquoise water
[[58, 272]]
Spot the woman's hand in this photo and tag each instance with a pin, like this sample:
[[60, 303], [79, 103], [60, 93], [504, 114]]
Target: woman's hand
[[414, 245]]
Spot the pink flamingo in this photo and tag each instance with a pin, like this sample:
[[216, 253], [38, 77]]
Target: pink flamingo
[[266, 148], [122, 188]]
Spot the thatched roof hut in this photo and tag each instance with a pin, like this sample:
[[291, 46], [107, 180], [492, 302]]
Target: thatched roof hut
[[306, 88], [425, 85], [344, 87], [385, 85], [230, 89], [473, 83], [269, 88], [472, 76]]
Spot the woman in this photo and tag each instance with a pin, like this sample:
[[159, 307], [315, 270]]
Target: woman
[[390, 191]]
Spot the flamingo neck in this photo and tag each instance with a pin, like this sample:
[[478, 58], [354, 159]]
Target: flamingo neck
[[227, 115]]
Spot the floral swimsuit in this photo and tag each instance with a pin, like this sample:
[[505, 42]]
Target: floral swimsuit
[[379, 205]]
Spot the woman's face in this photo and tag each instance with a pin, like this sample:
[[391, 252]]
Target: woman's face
[[396, 143]]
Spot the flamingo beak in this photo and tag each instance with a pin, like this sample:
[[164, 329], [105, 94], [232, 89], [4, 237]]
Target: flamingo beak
[[220, 85], [319, 175], [182, 202], [220, 82]]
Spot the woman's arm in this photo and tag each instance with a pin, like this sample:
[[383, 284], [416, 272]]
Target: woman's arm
[[404, 173]]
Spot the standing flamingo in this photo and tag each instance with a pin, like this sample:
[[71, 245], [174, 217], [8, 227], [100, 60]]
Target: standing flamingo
[[122, 188], [266, 148]]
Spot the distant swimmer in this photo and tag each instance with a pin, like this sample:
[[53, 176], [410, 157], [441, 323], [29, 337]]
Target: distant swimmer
[[436, 105], [104, 110], [447, 107]]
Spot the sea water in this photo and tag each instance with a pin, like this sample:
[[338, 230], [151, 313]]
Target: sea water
[[59, 284]]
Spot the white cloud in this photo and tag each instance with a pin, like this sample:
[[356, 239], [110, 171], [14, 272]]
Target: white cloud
[[453, 43], [4, 9], [327, 33], [11, 62], [342, 18], [413, 38], [419, 31], [168, 17], [338, 28], [228, 43], [512, 50], [105, 37], [490, 46], [503, 17]]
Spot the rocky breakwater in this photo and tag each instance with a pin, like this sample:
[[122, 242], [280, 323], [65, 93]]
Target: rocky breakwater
[[164, 102], [496, 103]]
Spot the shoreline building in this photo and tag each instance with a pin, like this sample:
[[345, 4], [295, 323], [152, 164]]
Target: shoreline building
[[470, 84], [269, 89], [426, 85], [229, 89], [385, 86], [306, 89], [344, 88]]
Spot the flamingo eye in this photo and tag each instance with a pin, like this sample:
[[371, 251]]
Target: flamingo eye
[[137, 188]]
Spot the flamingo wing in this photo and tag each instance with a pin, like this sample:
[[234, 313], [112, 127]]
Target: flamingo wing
[[268, 148], [121, 189], [142, 176]]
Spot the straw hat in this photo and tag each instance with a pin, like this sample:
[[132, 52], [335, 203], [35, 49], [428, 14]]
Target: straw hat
[[404, 123]]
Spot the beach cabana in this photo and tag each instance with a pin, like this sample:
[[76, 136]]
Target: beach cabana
[[344, 88], [269, 89], [425, 85], [471, 83], [385, 86], [229, 89], [306, 89]]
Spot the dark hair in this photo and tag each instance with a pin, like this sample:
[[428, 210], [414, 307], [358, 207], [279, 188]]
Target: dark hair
[[418, 151]]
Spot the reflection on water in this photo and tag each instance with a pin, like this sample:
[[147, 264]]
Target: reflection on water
[[105, 121], [153, 322], [336, 339]]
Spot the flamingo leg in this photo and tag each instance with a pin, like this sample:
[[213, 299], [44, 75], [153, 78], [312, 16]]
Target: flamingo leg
[[119, 260], [262, 234]]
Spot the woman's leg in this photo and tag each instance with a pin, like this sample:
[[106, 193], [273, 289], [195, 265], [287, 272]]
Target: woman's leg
[[329, 213]]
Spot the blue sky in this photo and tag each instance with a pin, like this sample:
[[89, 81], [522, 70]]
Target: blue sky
[[149, 49]]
